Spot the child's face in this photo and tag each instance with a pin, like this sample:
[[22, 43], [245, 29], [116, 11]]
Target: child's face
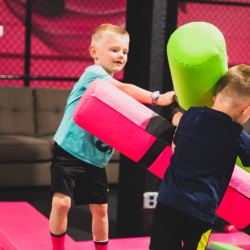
[[112, 53]]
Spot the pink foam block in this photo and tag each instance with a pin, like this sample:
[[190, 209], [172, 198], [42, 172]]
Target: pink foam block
[[24, 228], [120, 121]]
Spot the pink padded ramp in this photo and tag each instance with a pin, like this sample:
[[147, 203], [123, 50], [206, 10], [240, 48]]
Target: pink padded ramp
[[24, 228], [145, 137]]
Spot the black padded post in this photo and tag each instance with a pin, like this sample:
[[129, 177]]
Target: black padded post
[[150, 24]]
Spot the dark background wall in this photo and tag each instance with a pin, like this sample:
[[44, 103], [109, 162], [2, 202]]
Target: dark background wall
[[47, 41]]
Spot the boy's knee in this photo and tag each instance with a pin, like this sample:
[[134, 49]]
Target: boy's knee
[[61, 203], [99, 209]]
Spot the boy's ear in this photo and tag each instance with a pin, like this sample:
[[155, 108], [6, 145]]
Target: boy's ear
[[92, 51], [246, 111]]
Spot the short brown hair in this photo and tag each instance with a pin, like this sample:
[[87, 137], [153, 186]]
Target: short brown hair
[[235, 84], [100, 31]]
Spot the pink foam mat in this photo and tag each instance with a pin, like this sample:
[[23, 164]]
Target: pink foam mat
[[24, 228], [6, 243], [238, 239], [137, 243]]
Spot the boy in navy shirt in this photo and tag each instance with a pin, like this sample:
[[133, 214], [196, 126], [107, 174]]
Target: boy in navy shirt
[[205, 145]]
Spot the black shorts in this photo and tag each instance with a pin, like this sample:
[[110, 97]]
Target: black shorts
[[172, 227], [86, 183]]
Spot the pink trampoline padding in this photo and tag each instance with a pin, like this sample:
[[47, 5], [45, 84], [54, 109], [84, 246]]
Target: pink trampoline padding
[[27, 228]]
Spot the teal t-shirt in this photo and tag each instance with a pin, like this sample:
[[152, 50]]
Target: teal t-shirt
[[72, 138]]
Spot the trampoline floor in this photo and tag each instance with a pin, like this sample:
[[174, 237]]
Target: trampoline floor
[[79, 217], [24, 225]]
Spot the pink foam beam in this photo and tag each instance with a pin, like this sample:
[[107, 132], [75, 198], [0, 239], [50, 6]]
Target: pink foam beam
[[235, 205], [125, 124], [110, 114]]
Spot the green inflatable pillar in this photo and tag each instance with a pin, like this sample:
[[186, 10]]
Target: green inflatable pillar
[[197, 59]]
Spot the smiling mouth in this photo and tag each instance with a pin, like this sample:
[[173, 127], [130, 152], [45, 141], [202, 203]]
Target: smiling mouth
[[118, 62]]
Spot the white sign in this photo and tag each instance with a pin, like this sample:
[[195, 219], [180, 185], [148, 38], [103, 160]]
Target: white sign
[[1, 31]]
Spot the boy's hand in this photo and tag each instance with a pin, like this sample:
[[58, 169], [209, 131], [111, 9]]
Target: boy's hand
[[166, 99], [176, 118]]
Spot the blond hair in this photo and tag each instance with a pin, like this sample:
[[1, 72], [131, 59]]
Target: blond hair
[[235, 84], [102, 30]]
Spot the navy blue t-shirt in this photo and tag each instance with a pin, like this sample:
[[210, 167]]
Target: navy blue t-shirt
[[207, 144]]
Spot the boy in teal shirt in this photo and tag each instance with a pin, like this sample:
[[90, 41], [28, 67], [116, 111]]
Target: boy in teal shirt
[[79, 159]]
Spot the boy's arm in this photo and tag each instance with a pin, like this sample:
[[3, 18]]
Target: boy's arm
[[173, 146], [176, 118], [142, 95], [175, 121]]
